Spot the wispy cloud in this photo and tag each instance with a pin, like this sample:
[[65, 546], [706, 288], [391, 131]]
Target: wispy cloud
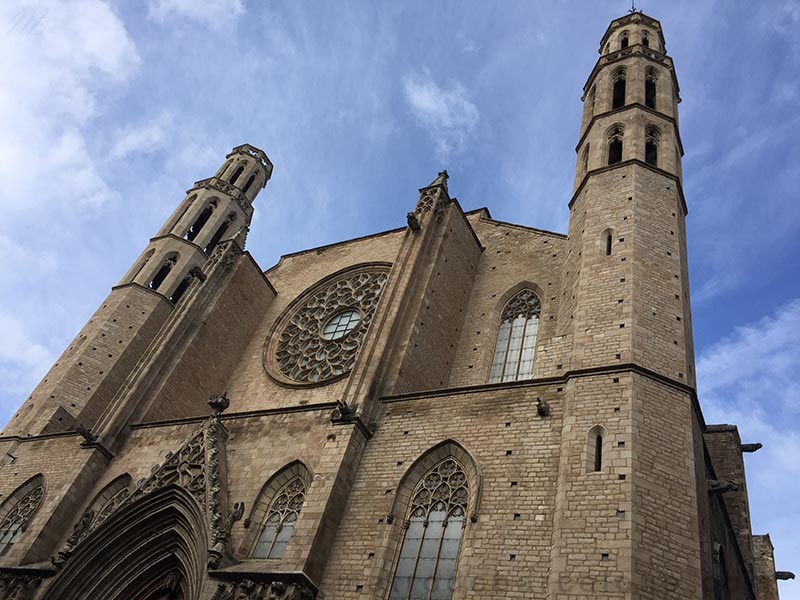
[[447, 113], [22, 360], [752, 378], [144, 138], [214, 14]]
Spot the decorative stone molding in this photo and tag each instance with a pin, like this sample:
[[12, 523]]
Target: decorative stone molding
[[226, 254], [18, 585], [299, 352], [199, 466], [269, 590], [215, 183]]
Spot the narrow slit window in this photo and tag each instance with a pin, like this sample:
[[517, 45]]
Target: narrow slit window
[[249, 183], [585, 160], [598, 453], [516, 338], [645, 40], [652, 138], [180, 290], [624, 41], [608, 244]]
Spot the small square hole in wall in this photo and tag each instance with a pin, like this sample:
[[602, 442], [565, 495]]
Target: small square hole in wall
[[388, 493], [512, 557], [615, 380], [618, 356], [560, 389], [559, 366], [616, 409], [399, 463], [604, 557], [622, 280], [509, 452], [514, 484], [517, 517], [621, 477], [405, 433], [508, 424], [621, 514], [359, 588], [370, 556], [620, 444], [622, 325], [380, 521]]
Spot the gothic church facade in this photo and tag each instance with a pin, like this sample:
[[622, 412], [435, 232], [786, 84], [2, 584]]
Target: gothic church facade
[[460, 408]]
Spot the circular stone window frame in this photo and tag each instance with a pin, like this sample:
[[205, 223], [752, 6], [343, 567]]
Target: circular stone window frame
[[341, 311], [269, 359]]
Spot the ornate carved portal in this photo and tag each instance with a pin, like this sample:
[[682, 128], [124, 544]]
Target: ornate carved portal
[[311, 347]]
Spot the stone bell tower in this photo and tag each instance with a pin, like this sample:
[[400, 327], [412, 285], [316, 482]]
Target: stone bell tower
[[78, 389], [626, 522]]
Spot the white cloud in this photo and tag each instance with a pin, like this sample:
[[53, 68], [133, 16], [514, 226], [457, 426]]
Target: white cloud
[[214, 14], [141, 139], [56, 57], [22, 361], [752, 378], [448, 115]]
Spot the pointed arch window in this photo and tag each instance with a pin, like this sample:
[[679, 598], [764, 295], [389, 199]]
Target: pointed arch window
[[201, 220], [650, 88], [652, 138], [585, 160], [219, 233], [516, 338], [278, 526], [615, 144], [645, 39], [624, 40], [249, 183], [618, 92], [18, 511], [433, 530], [237, 173], [162, 273]]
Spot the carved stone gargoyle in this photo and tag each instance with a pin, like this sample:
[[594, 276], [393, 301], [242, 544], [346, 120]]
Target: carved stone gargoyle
[[413, 222], [343, 412], [720, 486], [542, 408], [784, 575], [752, 447]]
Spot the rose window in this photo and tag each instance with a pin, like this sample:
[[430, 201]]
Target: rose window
[[319, 338]]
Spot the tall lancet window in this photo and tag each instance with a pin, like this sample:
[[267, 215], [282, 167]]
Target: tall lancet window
[[516, 338], [280, 520], [427, 564]]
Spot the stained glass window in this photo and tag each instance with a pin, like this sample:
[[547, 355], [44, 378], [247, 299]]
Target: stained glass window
[[427, 564], [340, 325], [281, 518], [16, 519], [516, 339]]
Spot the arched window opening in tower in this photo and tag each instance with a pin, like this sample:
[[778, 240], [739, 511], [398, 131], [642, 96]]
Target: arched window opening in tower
[[433, 530], [280, 520], [585, 160], [200, 221], [180, 290], [618, 95], [609, 242], [237, 173], [624, 41], [18, 510], [615, 145], [652, 137], [162, 273], [516, 338], [598, 453], [219, 233], [650, 88], [249, 184], [143, 263], [645, 39]]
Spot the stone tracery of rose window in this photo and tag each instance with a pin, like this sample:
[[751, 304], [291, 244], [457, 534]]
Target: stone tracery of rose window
[[320, 338]]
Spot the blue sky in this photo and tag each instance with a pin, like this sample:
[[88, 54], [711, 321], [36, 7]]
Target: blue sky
[[110, 110]]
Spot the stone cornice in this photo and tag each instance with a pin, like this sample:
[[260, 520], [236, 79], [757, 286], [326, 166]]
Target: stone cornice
[[217, 184], [625, 163], [636, 50], [632, 18], [625, 108]]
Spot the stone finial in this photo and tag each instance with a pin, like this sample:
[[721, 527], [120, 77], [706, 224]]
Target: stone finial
[[752, 447], [441, 179], [218, 404]]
